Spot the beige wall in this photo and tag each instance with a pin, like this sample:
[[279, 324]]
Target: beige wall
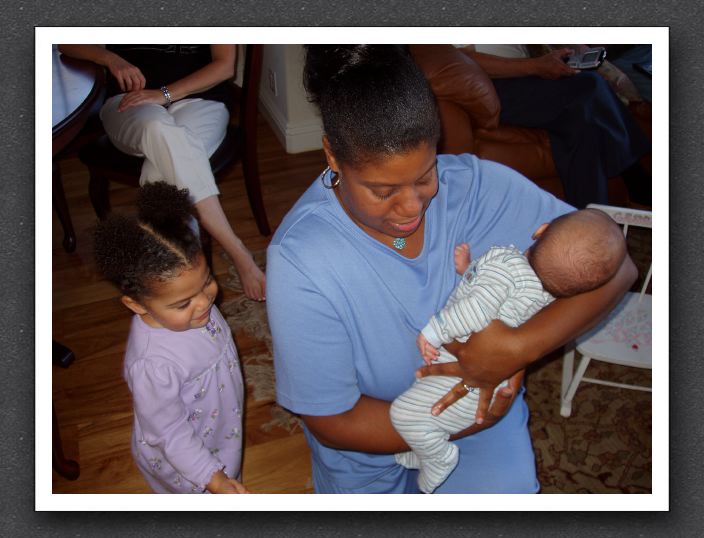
[[295, 121]]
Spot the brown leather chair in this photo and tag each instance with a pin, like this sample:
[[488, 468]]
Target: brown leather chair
[[469, 111], [106, 163]]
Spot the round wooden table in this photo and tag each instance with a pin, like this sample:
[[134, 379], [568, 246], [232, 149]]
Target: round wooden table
[[77, 89]]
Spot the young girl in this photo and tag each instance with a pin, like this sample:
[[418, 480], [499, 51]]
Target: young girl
[[180, 364]]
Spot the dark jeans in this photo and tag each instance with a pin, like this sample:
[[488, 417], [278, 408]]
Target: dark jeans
[[592, 135]]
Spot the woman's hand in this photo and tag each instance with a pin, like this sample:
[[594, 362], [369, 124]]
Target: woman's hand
[[499, 407], [484, 361], [129, 77], [553, 66], [141, 97]]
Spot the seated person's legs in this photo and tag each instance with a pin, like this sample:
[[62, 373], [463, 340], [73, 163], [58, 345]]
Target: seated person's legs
[[625, 62], [176, 144], [592, 135]]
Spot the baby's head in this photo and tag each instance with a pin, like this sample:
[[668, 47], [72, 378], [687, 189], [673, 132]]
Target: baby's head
[[155, 260], [577, 252]]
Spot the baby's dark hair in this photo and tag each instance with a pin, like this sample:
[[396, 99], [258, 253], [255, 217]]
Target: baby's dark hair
[[157, 244], [579, 251], [374, 100]]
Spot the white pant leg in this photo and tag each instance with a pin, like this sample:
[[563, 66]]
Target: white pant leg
[[175, 142]]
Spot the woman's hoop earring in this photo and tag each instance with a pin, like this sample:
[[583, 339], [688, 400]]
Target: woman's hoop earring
[[335, 178]]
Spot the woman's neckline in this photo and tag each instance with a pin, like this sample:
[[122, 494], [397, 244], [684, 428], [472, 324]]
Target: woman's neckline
[[348, 222]]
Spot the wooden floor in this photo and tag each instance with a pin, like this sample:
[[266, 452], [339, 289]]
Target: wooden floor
[[92, 401]]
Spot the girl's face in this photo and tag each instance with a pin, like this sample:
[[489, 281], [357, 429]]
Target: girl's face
[[181, 303], [388, 199]]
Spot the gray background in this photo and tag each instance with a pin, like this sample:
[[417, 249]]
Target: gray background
[[17, 255]]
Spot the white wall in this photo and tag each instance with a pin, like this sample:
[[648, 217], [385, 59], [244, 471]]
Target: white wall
[[294, 120]]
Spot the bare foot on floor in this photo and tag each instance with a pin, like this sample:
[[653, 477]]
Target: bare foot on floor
[[251, 276]]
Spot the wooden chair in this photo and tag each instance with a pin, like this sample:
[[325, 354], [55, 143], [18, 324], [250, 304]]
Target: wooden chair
[[106, 163], [624, 337], [69, 469]]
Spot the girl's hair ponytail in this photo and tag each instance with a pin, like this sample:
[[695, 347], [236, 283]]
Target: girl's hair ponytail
[[156, 245]]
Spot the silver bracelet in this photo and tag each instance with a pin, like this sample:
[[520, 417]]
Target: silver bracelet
[[167, 94]]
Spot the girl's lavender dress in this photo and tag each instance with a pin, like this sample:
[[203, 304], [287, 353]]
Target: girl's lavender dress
[[188, 396]]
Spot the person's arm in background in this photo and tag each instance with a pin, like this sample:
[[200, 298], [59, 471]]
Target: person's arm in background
[[550, 66], [222, 67], [131, 80], [128, 76]]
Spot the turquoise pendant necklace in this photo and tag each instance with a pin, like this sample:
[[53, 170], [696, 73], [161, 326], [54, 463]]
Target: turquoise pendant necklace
[[399, 243]]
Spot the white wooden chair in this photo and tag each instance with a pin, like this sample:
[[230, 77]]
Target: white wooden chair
[[623, 337]]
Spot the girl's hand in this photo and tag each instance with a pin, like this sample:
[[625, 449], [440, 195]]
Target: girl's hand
[[239, 487], [486, 359], [221, 483], [141, 97], [129, 77]]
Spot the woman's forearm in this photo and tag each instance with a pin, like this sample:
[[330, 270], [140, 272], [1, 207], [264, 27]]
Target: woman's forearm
[[499, 67], [565, 319], [366, 427], [94, 53], [221, 68]]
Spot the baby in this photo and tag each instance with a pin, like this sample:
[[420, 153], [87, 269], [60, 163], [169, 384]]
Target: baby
[[575, 253]]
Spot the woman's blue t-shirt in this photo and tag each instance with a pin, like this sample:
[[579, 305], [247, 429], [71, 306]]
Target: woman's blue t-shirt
[[345, 310]]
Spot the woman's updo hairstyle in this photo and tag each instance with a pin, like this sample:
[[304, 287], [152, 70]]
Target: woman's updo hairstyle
[[373, 99], [155, 246]]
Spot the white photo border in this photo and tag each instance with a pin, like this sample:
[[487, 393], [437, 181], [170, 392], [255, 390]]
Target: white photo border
[[658, 500]]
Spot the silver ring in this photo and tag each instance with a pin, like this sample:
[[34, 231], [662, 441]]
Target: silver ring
[[467, 388]]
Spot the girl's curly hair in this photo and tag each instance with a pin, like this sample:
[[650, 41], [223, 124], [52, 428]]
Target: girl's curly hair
[[156, 245]]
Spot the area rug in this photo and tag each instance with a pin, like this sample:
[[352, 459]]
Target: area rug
[[604, 447]]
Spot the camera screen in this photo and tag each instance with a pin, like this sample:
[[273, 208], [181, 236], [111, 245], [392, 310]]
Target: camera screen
[[590, 56]]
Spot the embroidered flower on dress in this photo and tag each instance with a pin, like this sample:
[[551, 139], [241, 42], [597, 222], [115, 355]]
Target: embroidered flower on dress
[[211, 328], [235, 432], [195, 415]]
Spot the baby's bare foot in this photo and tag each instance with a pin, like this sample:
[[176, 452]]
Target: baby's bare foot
[[462, 258]]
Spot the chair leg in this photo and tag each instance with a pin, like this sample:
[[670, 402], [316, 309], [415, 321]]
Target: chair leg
[[69, 469], [567, 372], [254, 189], [99, 191], [566, 407], [61, 208]]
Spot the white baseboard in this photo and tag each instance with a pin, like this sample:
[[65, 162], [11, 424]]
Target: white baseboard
[[294, 137]]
